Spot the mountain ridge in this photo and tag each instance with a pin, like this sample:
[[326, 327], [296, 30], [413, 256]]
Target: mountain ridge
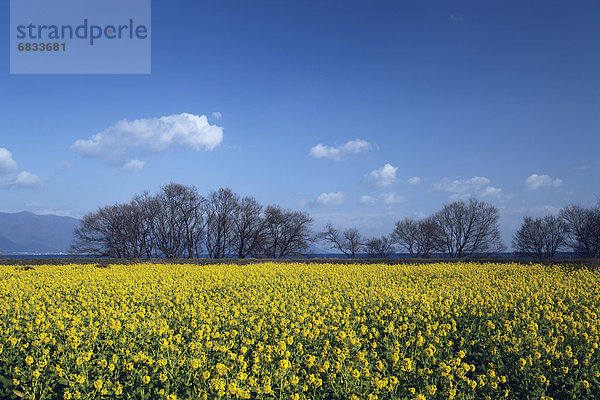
[[27, 232]]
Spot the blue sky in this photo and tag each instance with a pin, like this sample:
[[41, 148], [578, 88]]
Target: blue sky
[[414, 104]]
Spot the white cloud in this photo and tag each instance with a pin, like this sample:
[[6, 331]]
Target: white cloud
[[127, 139], [388, 199], [331, 199], [135, 165], [461, 186], [477, 186], [23, 179], [392, 198], [216, 115], [383, 176], [27, 180], [491, 191], [536, 181], [368, 200], [340, 152], [7, 164], [415, 180]]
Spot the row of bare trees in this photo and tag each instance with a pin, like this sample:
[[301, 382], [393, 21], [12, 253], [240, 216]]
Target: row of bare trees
[[178, 222], [469, 229], [459, 229], [575, 229]]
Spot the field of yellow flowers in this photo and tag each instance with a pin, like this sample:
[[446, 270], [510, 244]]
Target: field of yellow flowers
[[299, 331]]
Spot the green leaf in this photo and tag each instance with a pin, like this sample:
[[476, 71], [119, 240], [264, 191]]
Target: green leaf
[[570, 381]]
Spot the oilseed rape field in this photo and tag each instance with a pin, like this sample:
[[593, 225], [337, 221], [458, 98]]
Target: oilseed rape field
[[299, 331]]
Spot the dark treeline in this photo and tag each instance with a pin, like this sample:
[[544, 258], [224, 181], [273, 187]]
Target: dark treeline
[[178, 222]]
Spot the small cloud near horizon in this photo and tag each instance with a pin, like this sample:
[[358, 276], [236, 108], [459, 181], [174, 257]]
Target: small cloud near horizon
[[382, 177], [326, 199], [26, 179], [388, 199], [341, 152], [331, 199], [23, 179], [535, 181], [134, 165], [477, 186]]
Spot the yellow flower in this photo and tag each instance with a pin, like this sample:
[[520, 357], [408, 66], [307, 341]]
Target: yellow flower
[[28, 360], [98, 384], [284, 364], [145, 379]]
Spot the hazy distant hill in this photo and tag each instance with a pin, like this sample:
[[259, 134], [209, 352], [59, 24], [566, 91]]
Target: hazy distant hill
[[27, 232]]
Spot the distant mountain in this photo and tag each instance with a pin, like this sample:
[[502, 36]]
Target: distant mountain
[[26, 232]]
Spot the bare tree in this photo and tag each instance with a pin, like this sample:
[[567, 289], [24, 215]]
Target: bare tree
[[540, 237], [112, 231], [381, 247], [419, 238], [469, 229], [222, 209], [348, 242], [287, 232], [179, 222], [148, 207], [583, 227], [248, 227]]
